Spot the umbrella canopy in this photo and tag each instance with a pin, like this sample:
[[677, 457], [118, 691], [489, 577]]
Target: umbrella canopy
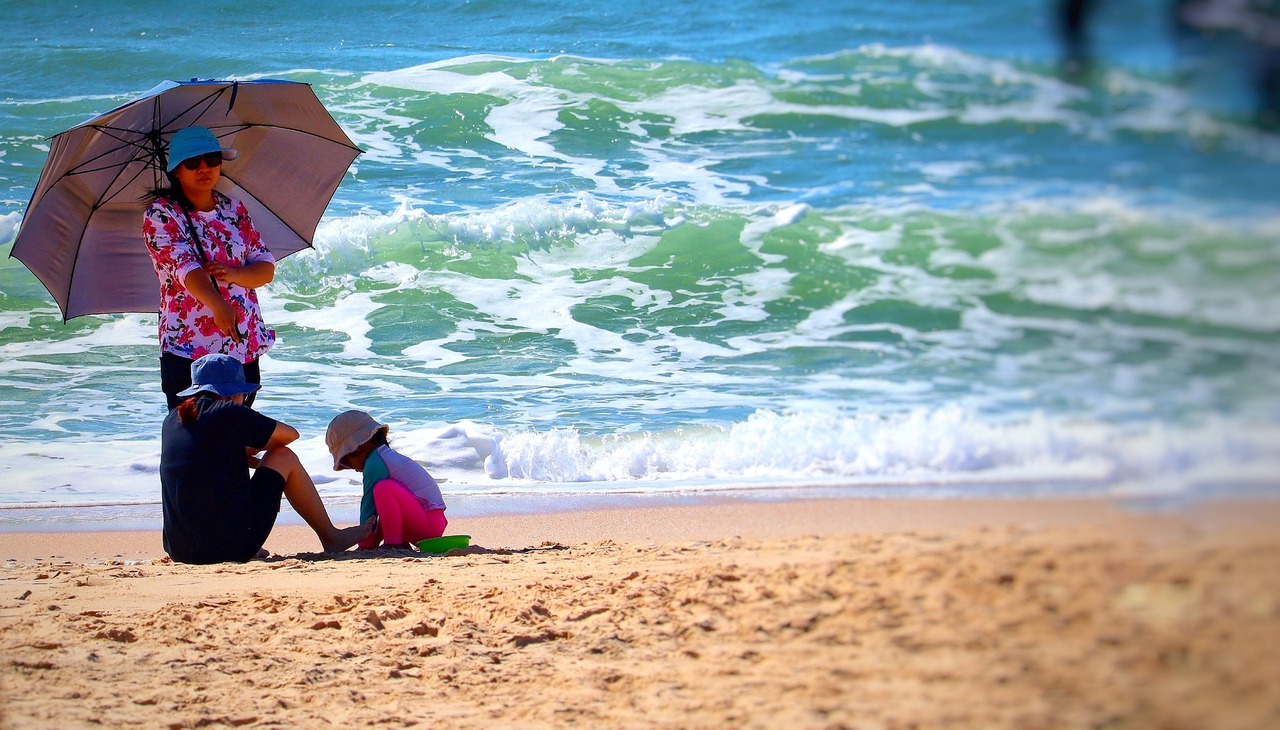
[[82, 233]]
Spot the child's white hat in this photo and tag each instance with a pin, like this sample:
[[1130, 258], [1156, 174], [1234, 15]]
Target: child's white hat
[[349, 431]]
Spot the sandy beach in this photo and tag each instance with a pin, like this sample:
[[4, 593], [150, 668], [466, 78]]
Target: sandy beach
[[817, 614]]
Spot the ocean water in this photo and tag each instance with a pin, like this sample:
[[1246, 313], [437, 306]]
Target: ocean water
[[751, 248]]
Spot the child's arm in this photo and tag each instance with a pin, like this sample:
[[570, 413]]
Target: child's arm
[[375, 470], [374, 538]]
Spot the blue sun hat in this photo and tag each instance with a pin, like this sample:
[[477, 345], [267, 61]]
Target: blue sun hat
[[194, 141], [218, 374]]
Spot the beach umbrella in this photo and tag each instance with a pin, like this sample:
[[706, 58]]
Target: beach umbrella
[[82, 232]]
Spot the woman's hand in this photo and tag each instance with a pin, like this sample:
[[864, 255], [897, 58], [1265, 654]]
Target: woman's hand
[[225, 316], [249, 276], [222, 272], [227, 319]]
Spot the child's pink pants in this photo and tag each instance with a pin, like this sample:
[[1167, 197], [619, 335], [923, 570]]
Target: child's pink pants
[[401, 518]]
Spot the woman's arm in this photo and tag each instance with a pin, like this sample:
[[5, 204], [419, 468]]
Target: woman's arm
[[249, 276], [259, 266]]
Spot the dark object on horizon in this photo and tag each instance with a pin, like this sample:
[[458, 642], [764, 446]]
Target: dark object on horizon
[[1253, 23], [1073, 17], [1268, 88]]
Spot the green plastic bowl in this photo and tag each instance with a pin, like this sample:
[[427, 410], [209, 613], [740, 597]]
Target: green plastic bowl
[[438, 545]]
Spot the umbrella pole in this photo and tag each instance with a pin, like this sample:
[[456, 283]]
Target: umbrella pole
[[204, 259]]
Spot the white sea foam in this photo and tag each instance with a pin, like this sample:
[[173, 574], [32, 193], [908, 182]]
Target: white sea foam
[[938, 445], [9, 225], [132, 329], [947, 169], [947, 445], [349, 315], [543, 298], [436, 77], [951, 84], [529, 115]]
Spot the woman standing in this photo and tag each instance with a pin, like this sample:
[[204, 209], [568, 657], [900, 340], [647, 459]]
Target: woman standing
[[214, 511], [209, 259]]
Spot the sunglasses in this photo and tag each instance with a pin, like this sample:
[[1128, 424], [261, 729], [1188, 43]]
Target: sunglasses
[[212, 159]]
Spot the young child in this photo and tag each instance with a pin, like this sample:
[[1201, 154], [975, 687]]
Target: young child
[[403, 496]]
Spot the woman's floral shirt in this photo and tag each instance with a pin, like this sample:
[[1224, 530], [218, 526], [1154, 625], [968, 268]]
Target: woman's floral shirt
[[227, 235]]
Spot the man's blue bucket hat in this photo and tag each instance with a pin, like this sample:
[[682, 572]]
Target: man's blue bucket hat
[[218, 374], [193, 142]]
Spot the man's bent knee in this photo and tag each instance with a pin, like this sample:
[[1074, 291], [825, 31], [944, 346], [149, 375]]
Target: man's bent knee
[[282, 459]]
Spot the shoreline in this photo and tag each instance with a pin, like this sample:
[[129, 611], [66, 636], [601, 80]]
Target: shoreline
[[713, 518]]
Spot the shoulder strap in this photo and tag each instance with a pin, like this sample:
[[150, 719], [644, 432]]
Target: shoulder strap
[[194, 236]]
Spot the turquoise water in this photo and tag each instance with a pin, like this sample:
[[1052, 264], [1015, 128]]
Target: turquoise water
[[844, 248]]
